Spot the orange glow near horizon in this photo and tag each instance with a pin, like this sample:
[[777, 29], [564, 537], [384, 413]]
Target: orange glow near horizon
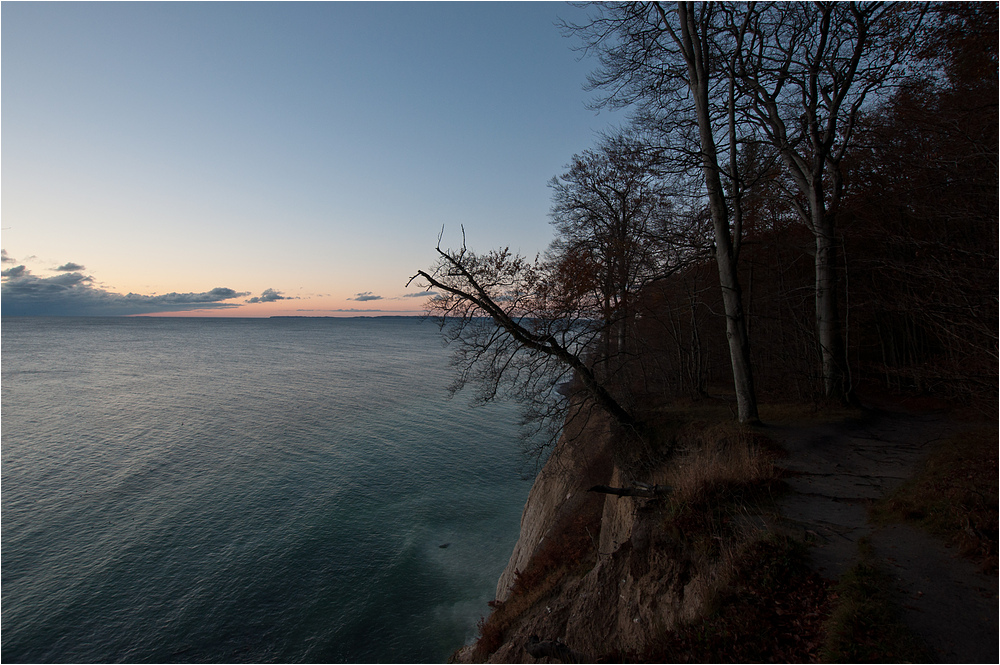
[[306, 308]]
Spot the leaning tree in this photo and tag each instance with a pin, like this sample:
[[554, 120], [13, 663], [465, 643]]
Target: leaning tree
[[519, 332]]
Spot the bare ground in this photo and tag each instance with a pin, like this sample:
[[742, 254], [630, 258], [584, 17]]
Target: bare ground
[[837, 470]]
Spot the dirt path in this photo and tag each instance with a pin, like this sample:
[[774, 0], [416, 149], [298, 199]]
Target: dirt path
[[838, 468]]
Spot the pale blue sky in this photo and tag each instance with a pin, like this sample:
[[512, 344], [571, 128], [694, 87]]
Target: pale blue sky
[[313, 149]]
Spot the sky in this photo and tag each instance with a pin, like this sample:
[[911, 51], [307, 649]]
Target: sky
[[259, 159]]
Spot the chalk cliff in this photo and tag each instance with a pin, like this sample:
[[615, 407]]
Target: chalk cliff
[[595, 572], [581, 459]]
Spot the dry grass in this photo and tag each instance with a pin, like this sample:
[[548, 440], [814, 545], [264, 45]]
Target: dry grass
[[768, 606], [723, 478], [681, 427], [724, 483], [729, 456]]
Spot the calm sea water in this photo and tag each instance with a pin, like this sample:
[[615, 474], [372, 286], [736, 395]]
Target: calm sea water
[[185, 490]]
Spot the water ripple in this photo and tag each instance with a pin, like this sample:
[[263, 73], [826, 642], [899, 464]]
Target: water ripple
[[190, 490]]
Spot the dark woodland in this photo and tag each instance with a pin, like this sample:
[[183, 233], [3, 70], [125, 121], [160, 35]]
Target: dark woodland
[[803, 207]]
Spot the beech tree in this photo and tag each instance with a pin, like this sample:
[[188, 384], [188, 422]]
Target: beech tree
[[807, 70], [669, 65], [793, 76], [921, 215], [616, 232]]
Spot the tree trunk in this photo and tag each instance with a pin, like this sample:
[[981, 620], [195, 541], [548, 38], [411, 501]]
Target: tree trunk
[[543, 343], [725, 253], [736, 333], [828, 328]]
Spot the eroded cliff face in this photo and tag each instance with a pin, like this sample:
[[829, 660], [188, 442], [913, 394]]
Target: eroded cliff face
[[581, 459], [635, 582]]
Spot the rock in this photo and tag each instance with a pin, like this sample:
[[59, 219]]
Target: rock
[[581, 459]]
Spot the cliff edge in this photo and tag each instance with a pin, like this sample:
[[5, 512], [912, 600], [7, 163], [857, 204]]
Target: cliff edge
[[718, 563], [603, 576]]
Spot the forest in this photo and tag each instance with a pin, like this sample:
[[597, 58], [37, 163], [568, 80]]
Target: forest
[[802, 207]]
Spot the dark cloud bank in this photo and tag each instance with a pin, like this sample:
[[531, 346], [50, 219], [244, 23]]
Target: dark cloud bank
[[367, 295], [74, 294], [270, 295]]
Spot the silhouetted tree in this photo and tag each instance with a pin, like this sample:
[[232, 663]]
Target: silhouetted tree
[[616, 231], [922, 215], [808, 70], [666, 64], [518, 332]]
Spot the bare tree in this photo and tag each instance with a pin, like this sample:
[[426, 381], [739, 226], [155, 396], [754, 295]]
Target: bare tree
[[616, 233], [807, 70], [921, 216], [519, 333], [669, 65]]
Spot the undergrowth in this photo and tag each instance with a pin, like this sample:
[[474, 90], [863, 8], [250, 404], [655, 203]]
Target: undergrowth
[[773, 610], [724, 480], [772, 606], [721, 488], [865, 625], [954, 495]]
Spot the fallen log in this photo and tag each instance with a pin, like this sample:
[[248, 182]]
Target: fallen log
[[637, 489]]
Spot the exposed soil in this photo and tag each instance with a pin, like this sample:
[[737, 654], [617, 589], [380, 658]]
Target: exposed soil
[[836, 471]]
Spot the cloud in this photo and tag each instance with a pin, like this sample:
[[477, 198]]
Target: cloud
[[422, 294], [70, 267], [367, 295], [73, 294], [270, 295], [5, 257]]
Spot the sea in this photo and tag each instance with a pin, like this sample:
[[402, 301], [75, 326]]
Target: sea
[[246, 490]]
